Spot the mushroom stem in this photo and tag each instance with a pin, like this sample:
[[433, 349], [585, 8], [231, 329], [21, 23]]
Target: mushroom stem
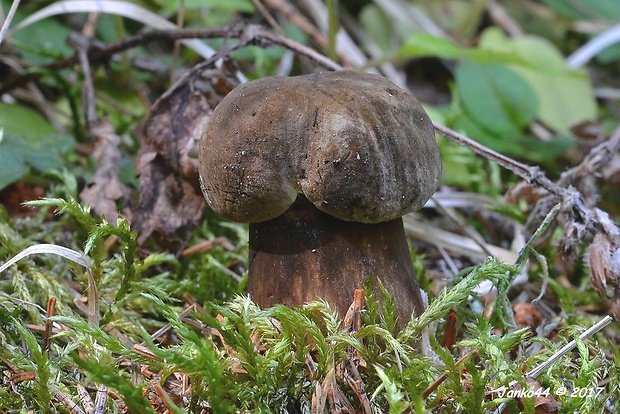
[[305, 255]]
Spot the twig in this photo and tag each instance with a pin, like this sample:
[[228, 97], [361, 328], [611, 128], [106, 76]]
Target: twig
[[443, 376], [529, 173], [176, 50], [87, 402], [250, 35], [595, 160], [265, 13], [264, 38], [51, 310], [499, 15], [295, 17], [88, 91], [165, 398], [65, 400], [356, 383], [100, 399], [161, 331], [572, 200]]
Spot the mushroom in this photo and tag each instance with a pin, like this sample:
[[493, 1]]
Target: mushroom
[[322, 166]]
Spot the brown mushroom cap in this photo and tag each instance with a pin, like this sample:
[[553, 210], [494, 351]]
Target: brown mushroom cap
[[356, 145]]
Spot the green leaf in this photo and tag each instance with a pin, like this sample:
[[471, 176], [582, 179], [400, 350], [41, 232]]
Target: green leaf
[[20, 120], [42, 42], [424, 44], [465, 122], [564, 100], [496, 97], [565, 96], [530, 51], [13, 165], [29, 141]]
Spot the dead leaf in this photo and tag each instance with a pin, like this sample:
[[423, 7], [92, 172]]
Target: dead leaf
[[171, 202], [450, 333], [526, 314], [523, 190], [352, 320], [14, 195], [604, 264], [105, 187], [544, 403]]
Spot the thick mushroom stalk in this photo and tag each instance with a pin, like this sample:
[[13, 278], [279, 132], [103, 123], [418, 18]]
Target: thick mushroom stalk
[[306, 254], [322, 167]]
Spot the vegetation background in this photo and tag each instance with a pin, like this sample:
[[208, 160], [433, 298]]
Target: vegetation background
[[125, 298]]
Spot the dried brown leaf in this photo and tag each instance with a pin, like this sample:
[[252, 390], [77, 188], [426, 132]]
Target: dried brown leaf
[[604, 263], [105, 187], [526, 314], [600, 263], [14, 195], [543, 404], [449, 334], [171, 202]]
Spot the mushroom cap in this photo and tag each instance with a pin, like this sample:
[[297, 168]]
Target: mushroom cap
[[356, 145]]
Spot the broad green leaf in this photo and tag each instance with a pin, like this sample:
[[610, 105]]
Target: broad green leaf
[[541, 152], [565, 96], [13, 165], [18, 154], [564, 101], [496, 97], [43, 154], [28, 141], [43, 42], [16, 119], [494, 39], [424, 44], [530, 51], [465, 122], [544, 152]]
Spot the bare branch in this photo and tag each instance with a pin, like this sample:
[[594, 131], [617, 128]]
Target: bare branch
[[248, 36]]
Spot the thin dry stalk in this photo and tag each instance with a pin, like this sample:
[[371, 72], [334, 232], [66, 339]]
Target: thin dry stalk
[[47, 336]]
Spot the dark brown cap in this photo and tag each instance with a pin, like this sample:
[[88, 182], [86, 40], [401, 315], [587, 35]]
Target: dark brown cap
[[356, 145]]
